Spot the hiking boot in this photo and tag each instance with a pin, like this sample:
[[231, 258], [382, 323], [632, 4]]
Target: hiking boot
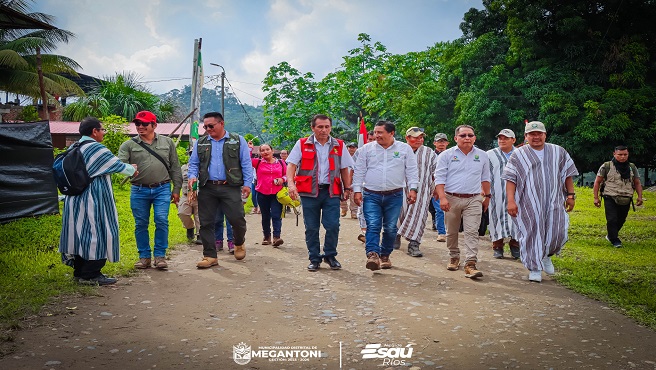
[[343, 213], [207, 262], [441, 238], [240, 252], [373, 261], [385, 262], [361, 237], [277, 241], [218, 245], [160, 263], [266, 240], [498, 253], [397, 241], [190, 235], [413, 249], [471, 271], [535, 276], [514, 248], [231, 247], [548, 266], [454, 264], [143, 263]]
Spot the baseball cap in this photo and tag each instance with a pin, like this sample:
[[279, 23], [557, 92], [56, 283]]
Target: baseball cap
[[145, 116], [535, 126], [440, 136], [351, 144], [506, 132], [414, 131]]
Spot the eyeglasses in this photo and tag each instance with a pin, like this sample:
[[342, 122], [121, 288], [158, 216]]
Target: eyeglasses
[[208, 126], [416, 129], [466, 135], [139, 123]]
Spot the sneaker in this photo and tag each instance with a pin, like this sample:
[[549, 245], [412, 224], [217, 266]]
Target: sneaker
[[231, 247], [207, 262], [454, 264], [385, 262], [266, 240], [98, 280], [441, 238], [535, 276], [498, 253], [361, 237], [240, 252], [514, 252], [277, 241], [143, 263], [160, 263], [413, 249], [616, 244], [343, 213], [373, 261], [218, 245], [471, 271], [548, 266], [397, 242]]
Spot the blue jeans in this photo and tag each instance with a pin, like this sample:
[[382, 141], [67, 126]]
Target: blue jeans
[[322, 210], [439, 217], [218, 227], [271, 214], [381, 212], [254, 195], [141, 200]]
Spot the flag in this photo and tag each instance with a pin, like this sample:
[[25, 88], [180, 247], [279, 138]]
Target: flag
[[193, 131], [362, 136]]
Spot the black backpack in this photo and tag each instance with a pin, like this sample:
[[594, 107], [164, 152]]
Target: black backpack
[[70, 170]]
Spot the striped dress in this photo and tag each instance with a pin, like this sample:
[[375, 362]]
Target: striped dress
[[501, 225], [90, 220], [412, 219], [541, 222]]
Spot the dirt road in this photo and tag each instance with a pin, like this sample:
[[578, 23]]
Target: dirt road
[[423, 316]]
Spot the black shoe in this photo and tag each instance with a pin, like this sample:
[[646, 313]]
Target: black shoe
[[198, 241], [514, 252], [397, 242], [498, 253], [332, 261], [190, 235], [98, 280], [413, 249], [313, 266]]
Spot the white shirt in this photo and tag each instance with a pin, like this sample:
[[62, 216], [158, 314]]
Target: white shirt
[[385, 169], [462, 173], [322, 152]]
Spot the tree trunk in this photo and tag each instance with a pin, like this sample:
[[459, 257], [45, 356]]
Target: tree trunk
[[42, 88]]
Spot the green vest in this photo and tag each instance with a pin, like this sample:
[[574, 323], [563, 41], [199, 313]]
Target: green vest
[[231, 160]]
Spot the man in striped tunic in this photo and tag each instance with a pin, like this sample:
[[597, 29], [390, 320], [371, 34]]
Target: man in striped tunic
[[538, 182], [412, 219], [89, 234], [501, 225]]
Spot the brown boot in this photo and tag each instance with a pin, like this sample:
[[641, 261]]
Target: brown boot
[[471, 271], [385, 262], [373, 261], [143, 263], [160, 263], [277, 241], [267, 240], [240, 252], [207, 262], [454, 264]]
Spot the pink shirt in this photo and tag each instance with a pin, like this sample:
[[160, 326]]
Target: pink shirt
[[266, 173]]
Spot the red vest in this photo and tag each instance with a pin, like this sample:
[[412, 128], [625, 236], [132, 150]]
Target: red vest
[[307, 182]]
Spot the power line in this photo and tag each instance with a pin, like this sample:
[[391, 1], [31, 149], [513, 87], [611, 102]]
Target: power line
[[241, 104], [256, 97]]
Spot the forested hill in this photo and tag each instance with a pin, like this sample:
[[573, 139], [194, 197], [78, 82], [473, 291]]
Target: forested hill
[[236, 119]]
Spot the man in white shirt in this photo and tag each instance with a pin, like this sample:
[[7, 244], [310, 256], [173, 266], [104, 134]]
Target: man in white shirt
[[462, 173], [386, 166]]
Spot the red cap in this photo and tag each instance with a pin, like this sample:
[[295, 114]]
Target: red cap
[[145, 116]]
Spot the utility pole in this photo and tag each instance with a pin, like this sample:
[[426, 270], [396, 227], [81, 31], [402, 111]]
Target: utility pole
[[222, 89]]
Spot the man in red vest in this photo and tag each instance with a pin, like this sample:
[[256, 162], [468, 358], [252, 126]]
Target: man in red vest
[[318, 171]]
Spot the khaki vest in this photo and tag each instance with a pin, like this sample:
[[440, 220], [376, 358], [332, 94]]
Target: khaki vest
[[306, 179], [615, 186], [231, 160]]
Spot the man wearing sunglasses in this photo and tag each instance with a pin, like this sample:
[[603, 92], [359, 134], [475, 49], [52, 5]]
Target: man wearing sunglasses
[[221, 164], [158, 164], [462, 173]]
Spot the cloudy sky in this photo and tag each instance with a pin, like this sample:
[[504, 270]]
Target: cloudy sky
[[155, 38]]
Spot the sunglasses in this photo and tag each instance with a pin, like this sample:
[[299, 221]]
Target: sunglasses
[[466, 135], [144, 124], [417, 129], [208, 126]]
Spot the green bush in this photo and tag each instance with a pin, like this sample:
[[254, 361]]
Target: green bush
[[28, 114], [117, 132]]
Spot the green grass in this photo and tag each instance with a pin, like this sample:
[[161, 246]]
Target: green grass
[[625, 277]]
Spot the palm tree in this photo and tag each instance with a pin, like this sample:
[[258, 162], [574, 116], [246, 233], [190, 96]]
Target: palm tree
[[24, 69]]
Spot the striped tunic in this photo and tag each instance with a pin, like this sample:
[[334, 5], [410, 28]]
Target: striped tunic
[[541, 222], [90, 220], [501, 225], [412, 219]]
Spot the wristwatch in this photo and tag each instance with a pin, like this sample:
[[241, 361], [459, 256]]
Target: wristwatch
[[571, 195], [348, 189]]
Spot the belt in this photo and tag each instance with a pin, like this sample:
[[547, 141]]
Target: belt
[[217, 182], [386, 192], [324, 186], [155, 185], [462, 195]]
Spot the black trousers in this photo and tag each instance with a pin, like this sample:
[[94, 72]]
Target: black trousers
[[615, 218], [210, 198], [87, 269], [431, 209]]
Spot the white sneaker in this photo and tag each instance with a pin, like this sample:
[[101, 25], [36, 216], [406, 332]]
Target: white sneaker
[[535, 276], [548, 266]]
